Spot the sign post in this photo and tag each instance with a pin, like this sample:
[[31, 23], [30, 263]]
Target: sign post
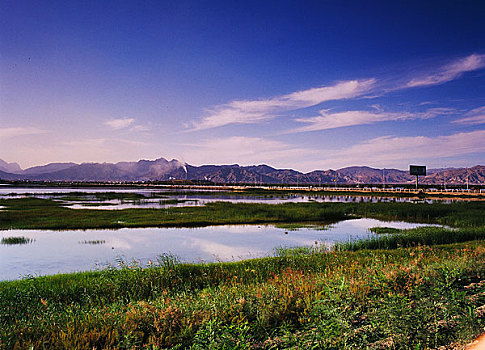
[[417, 170]]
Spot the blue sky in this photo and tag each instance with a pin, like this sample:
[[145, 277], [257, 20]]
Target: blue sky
[[300, 84]]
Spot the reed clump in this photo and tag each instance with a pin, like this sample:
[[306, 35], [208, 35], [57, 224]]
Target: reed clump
[[16, 240], [418, 236], [93, 241], [384, 230]]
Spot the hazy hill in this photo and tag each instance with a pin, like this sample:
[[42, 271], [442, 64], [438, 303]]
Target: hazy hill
[[49, 168], [159, 169], [9, 167], [163, 170], [474, 175], [367, 175], [9, 176]]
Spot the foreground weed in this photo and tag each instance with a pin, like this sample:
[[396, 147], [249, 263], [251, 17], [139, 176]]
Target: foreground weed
[[421, 297]]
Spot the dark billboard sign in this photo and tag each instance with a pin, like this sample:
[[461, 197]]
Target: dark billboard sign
[[418, 170]]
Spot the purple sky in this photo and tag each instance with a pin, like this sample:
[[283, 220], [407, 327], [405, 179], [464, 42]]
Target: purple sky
[[300, 84]]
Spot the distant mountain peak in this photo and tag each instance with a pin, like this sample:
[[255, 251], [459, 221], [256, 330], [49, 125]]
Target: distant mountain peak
[[10, 167], [161, 169]]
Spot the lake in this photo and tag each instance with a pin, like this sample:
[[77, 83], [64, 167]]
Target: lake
[[54, 252], [159, 198]]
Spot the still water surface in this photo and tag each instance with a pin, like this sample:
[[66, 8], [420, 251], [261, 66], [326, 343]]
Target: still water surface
[[54, 252], [164, 196]]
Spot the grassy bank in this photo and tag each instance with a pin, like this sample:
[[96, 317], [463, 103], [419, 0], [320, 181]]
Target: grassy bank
[[31, 213], [416, 298], [415, 237], [37, 213]]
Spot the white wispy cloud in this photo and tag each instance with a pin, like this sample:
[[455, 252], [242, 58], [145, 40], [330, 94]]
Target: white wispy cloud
[[244, 150], [20, 131], [260, 110], [101, 143], [450, 71], [386, 150], [327, 120], [120, 123], [140, 128], [255, 111], [127, 125], [474, 117], [96, 150]]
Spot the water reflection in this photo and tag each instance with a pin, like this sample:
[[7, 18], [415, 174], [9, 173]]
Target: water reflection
[[61, 251], [157, 198], [197, 200]]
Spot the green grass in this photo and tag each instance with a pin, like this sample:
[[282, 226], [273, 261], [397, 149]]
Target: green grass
[[99, 196], [298, 250], [384, 230], [414, 237], [176, 201], [417, 289], [415, 298], [97, 241], [37, 213], [97, 204], [298, 226]]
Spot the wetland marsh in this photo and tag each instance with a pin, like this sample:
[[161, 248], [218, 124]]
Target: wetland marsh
[[308, 274], [81, 250]]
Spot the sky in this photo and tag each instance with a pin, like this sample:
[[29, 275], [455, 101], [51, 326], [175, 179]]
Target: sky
[[293, 84]]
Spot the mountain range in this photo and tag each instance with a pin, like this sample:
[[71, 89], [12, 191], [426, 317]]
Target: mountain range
[[164, 170]]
